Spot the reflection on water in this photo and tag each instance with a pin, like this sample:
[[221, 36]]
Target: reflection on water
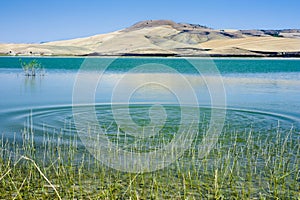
[[159, 88], [47, 96], [32, 83]]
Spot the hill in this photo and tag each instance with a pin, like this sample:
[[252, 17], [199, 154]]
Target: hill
[[167, 38]]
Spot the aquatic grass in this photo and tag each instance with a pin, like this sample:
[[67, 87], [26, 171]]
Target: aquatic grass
[[32, 68], [243, 165]]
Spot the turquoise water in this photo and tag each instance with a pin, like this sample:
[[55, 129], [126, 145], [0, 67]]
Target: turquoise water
[[260, 93], [225, 66]]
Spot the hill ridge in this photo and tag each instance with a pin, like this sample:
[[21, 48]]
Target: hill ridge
[[168, 38]]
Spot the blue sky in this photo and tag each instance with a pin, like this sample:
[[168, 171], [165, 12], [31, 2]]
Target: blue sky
[[38, 21]]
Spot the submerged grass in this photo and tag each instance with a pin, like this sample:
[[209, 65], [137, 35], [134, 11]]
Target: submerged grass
[[243, 165]]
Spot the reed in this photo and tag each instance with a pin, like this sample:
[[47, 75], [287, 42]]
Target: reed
[[243, 165]]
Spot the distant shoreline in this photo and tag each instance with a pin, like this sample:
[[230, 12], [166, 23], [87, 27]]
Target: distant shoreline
[[155, 56]]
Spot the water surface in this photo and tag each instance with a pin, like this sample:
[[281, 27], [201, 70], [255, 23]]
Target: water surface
[[260, 93]]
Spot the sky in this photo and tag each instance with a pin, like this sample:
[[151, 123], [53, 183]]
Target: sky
[[35, 21]]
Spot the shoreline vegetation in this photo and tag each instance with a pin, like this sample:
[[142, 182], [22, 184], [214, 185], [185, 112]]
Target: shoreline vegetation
[[243, 165], [272, 55], [155, 56]]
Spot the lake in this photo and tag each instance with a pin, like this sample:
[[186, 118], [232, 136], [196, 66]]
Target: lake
[[153, 127], [259, 93]]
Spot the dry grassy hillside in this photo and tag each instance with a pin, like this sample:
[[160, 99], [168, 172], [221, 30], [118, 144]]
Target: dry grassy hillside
[[167, 38]]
